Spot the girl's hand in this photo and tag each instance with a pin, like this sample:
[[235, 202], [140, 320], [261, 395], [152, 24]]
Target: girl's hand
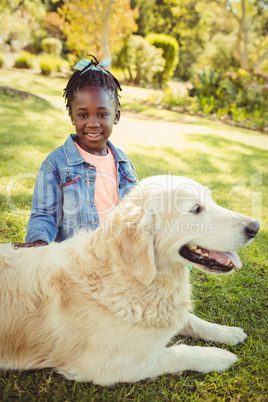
[[37, 243]]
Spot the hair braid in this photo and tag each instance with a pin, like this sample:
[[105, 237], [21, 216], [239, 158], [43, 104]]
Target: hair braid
[[79, 80]]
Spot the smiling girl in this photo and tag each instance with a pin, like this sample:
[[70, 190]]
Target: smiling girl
[[80, 182]]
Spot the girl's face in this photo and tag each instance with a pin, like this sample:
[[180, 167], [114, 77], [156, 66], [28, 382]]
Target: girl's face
[[93, 114]]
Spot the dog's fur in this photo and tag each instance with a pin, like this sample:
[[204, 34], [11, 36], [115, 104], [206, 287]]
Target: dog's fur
[[103, 305]]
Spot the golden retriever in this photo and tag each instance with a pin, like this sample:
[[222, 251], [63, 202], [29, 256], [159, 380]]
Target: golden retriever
[[103, 305]]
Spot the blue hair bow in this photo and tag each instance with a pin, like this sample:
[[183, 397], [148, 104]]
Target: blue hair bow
[[85, 62]]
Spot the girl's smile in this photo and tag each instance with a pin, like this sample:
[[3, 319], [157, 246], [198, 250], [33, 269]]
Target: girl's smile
[[93, 114]]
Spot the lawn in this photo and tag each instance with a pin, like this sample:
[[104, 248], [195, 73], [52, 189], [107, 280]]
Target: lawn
[[232, 160]]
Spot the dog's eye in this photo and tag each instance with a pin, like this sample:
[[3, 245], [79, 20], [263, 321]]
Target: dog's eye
[[197, 209]]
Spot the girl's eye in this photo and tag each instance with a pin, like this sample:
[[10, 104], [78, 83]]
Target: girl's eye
[[82, 116], [103, 115], [197, 209]]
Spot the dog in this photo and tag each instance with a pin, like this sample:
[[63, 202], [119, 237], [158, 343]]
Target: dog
[[102, 305]]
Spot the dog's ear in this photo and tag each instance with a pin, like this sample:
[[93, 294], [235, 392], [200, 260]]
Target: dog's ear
[[140, 258], [134, 241]]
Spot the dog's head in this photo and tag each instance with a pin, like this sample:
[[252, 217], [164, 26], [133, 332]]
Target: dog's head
[[167, 221]]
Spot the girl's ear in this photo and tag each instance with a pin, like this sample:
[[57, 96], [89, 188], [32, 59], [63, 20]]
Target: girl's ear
[[71, 117], [117, 116]]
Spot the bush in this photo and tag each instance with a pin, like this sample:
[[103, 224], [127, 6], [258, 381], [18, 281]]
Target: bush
[[52, 46], [205, 83], [239, 98], [171, 100], [1, 61], [240, 89], [239, 95], [139, 60], [25, 60], [170, 48], [49, 63]]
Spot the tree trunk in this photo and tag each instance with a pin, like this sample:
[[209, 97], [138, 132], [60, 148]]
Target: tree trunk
[[105, 40], [242, 37], [104, 8], [245, 37]]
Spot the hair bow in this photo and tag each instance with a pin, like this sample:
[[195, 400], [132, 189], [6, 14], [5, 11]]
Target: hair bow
[[99, 67]]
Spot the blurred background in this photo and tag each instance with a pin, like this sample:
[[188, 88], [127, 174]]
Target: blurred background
[[208, 57]]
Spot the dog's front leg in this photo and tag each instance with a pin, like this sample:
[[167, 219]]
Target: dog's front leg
[[178, 359], [197, 328]]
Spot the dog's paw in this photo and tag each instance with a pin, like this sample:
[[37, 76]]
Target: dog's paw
[[233, 335], [216, 359]]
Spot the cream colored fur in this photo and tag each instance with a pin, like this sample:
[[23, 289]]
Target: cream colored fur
[[103, 305]]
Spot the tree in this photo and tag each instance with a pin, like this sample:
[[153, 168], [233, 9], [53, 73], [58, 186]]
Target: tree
[[177, 18], [250, 21], [139, 60], [20, 21], [91, 26]]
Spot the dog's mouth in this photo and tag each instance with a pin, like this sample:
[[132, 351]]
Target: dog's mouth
[[215, 261]]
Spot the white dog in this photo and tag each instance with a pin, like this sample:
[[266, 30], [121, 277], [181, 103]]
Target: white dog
[[103, 305]]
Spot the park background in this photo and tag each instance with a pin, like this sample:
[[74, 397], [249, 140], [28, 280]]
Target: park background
[[194, 102], [220, 48]]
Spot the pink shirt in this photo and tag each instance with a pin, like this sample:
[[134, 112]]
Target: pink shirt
[[106, 189]]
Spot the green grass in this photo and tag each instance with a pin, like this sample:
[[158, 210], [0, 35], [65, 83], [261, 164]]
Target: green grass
[[234, 161]]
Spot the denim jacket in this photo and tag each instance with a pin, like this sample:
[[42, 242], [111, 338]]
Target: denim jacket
[[63, 198]]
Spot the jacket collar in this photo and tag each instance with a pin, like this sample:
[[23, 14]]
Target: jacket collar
[[74, 157]]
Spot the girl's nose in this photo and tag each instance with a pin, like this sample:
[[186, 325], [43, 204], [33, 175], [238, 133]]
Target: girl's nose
[[93, 122]]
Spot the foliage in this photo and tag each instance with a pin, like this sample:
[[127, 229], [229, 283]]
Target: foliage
[[96, 27], [20, 22], [241, 96], [218, 33], [242, 29], [170, 49], [49, 63], [139, 60], [170, 99], [1, 61], [52, 46], [25, 60], [54, 24], [219, 52], [211, 154], [176, 18]]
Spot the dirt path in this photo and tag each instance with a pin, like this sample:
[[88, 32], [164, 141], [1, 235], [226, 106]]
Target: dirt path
[[134, 129], [147, 131]]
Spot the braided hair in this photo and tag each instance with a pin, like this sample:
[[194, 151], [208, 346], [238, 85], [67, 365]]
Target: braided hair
[[91, 78]]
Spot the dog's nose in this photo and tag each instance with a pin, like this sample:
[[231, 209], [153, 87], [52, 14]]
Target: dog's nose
[[252, 229]]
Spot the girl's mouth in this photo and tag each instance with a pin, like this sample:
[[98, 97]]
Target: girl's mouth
[[93, 135]]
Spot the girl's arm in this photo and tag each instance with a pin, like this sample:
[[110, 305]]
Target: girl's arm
[[37, 243], [46, 212]]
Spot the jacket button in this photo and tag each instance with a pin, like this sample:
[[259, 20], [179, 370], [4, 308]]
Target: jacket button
[[120, 185], [68, 179]]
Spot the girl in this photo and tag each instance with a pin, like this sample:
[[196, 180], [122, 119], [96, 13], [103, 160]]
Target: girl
[[80, 182]]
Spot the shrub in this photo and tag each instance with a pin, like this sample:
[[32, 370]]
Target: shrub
[[139, 60], [171, 100], [240, 94], [240, 97], [52, 46], [49, 63], [205, 83], [25, 60], [1, 61], [170, 48]]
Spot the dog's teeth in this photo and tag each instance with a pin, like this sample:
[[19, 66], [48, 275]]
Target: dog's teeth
[[206, 254], [192, 247], [228, 262]]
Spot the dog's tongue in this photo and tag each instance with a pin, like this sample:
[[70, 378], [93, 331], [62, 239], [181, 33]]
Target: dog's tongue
[[222, 258]]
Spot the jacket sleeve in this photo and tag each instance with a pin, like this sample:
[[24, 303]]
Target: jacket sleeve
[[46, 212]]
